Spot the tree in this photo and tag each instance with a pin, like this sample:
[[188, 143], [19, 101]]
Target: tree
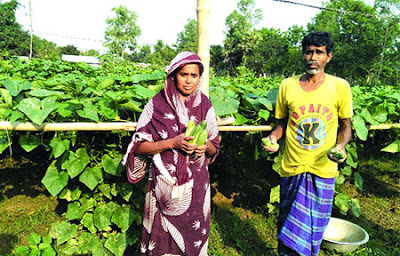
[[141, 56], [70, 50], [188, 38], [241, 38], [162, 55], [12, 38], [364, 37], [121, 31]]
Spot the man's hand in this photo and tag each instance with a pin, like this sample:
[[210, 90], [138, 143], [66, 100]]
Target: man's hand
[[337, 154], [270, 144]]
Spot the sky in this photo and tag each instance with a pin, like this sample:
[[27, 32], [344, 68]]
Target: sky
[[82, 22]]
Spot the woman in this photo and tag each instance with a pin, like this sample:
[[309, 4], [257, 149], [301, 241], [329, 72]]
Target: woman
[[177, 209]]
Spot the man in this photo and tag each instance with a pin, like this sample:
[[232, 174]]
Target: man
[[310, 107]]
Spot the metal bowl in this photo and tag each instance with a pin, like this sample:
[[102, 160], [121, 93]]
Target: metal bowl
[[343, 236]]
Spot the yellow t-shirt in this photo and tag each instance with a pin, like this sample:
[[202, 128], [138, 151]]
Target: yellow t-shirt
[[312, 124]]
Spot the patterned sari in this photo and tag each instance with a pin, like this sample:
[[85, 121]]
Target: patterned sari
[[178, 199]]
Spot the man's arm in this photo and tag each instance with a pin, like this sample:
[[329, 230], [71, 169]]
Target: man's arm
[[344, 135]]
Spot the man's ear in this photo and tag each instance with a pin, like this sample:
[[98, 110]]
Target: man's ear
[[329, 57]]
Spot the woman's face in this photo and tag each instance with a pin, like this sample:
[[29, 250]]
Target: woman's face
[[187, 79]]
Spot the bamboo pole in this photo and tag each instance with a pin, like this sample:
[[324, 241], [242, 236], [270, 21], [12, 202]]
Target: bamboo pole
[[203, 46], [384, 126], [84, 126], [223, 125]]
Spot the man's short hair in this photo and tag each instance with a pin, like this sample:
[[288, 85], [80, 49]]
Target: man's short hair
[[318, 39]]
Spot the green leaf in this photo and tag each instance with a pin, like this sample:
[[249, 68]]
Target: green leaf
[[42, 93], [355, 208], [106, 190], [89, 242], [47, 240], [16, 115], [222, 103], [69, 195], [59, 146], [112, 166], [274, 195], [37, 110], [105, 83], [131, 106], [267, 103], [340, 179], [102, 216], [74, 163], [394, 147], [88, 203], [265, 114], [359, 181], [53, 180], [143, 93], [29, 142], [360, 127], [380, 114], [16, 86], [91, 177], [74, 211], [6, 97], [49, 252], [34, 239], [124, 189], [123, 216], [88, 222], [240, 119], [5, 141], [342, 202], [346, 171], [89, 111], [117, 244], [22, 250], [64, 231], [34, 251], [350, 161], [43, 246]]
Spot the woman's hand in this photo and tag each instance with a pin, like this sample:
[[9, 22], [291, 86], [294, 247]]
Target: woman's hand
[[203, 149], [181, 142]]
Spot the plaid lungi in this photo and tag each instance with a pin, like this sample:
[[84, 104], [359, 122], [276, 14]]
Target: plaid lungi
[[305, 210]]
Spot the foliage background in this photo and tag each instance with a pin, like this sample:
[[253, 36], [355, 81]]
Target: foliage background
[[102, 211]]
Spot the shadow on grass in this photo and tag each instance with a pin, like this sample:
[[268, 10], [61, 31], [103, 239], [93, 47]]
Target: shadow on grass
[[238, 233], [7, 242]]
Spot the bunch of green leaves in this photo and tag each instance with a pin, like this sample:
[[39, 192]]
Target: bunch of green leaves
[[37, 246]]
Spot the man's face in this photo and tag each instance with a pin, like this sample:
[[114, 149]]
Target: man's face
[[315, 59]]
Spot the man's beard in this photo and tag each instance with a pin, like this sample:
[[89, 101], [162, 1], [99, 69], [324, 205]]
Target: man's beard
[[312, 71]]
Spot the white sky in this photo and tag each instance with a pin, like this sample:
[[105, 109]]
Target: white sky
[[82, 22]]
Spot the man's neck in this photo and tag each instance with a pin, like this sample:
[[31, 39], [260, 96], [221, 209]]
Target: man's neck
[[311, 82]]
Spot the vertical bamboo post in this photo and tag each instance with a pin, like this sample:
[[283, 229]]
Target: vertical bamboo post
[[203, 47], [31, 30]]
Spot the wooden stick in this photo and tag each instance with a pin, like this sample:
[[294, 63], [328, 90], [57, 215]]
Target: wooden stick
[[84, 126], [131, 126], [203, 44], [245, 128], [383, 126]]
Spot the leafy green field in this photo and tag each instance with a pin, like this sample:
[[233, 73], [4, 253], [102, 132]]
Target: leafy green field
[[79, 177], [241, 222]]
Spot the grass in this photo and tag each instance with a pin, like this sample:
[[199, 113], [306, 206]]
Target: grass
[[240, 222]]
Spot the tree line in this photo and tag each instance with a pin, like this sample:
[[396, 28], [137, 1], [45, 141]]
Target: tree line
[[367, 45]]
